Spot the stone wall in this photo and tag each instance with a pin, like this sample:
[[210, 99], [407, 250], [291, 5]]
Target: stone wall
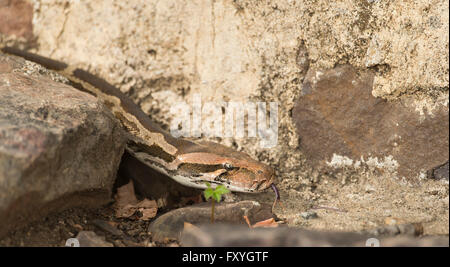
[[362, 86]]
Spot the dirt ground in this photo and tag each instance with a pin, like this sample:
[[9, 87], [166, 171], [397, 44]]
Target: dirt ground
[[364, 202], [359, 203], [55, 229]]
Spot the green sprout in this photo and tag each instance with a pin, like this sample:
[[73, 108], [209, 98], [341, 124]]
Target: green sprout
[[215, 195]]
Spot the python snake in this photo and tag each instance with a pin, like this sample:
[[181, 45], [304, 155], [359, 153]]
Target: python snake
[[187, 162]]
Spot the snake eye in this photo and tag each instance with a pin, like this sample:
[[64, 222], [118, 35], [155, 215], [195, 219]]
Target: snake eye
[[228, 166]]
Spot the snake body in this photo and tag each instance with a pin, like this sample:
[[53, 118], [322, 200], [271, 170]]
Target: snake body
[[187, 162]]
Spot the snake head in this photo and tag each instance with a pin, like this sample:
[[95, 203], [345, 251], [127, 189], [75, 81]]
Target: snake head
[[246, 176], [220, 165]]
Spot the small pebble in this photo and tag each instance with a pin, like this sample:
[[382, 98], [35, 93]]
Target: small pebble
[[105, 226], [309, 215], [441, 172], [369, 188]]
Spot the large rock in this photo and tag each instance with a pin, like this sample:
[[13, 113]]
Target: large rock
[[440, 172], [59, 147], [340, 123], [171, 224], [16, 19], [241, 236], [230, 45]]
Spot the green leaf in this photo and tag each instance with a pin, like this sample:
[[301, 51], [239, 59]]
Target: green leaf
[[208, 184], [208, 192], [221, 190], [217, 197]]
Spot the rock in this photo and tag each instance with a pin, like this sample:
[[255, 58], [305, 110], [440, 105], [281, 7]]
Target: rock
[[170, 225], [236, 236], [91, 239], [244, 39], [309, 215], [107, 227], [405, 241], [400, 229], [440, 172], [16, 18], [341, 124], [59, 147], [255, 50]]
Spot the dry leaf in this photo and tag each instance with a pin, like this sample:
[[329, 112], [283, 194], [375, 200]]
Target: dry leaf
[[269, 223], [125, 195], [127, 204], [125, 211], [247, 221], [148, 208]]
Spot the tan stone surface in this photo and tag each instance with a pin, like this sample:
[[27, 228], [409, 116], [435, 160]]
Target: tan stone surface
[[59, 147], [161, 52], [348, 127]]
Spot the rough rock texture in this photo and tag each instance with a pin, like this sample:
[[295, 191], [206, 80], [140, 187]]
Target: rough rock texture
[[59, 147], [162, 52], [225, 43], [234, 235], [16, 19], [340, 123], [441, 172], [170, 225]]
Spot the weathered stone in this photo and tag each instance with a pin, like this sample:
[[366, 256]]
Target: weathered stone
[[236, 235], [107, 227], [400, 229], [16, 18], [441, 172], [338, 116], [59, 147], [228, 43], [162, 52], [309, 215], [170, 225]]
